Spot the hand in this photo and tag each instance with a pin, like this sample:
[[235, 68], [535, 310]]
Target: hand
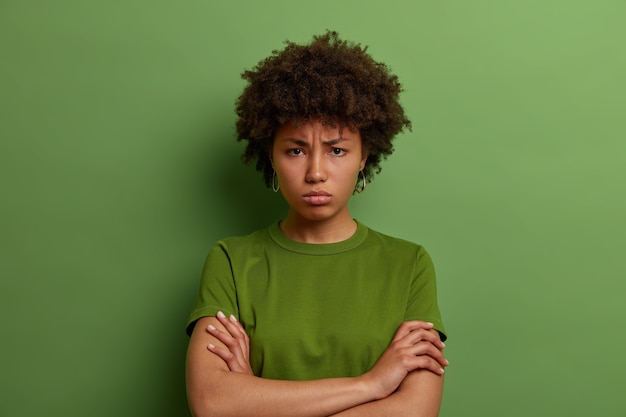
[[234, 337], [415, 346]]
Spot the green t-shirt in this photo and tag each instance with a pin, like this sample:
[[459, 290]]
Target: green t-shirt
[[317, 311]]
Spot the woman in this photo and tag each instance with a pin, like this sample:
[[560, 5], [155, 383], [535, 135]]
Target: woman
[[317, 315]]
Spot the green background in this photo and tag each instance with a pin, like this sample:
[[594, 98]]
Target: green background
[[118, 170]]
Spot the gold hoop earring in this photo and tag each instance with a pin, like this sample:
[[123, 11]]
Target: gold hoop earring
[[275, 185], [360, 189]]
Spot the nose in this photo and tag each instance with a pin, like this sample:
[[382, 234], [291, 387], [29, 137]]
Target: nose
[[316, 169]]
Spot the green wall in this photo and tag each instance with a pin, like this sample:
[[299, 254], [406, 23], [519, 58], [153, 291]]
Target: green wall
[[118, 170]]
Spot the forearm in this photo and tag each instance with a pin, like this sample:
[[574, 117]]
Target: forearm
[[228, 393], [213, 389], [219, 383], [419, 395]]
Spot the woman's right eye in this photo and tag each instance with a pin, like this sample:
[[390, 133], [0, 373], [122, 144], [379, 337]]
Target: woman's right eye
[[294, 152]]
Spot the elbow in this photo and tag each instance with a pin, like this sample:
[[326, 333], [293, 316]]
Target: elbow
[[206, 397], [203, 408], [207, 405], [197, 408], [204, 403]]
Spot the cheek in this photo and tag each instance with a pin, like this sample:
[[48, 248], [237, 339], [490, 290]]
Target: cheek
[[281, 168], [287, 175]]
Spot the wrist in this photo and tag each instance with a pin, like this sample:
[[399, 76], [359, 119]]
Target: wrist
[[367, 384]]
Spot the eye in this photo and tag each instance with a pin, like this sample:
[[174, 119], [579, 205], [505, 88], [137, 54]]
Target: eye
[[294, 152], [338, 151]]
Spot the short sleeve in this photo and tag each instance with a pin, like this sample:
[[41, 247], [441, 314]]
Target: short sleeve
[[217, 290], [422, 302]]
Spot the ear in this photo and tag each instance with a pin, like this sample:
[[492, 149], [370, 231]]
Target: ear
[[363, 161]]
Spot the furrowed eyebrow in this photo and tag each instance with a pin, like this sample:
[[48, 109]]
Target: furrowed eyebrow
[[299, 142], [302, 142], [333, 142]]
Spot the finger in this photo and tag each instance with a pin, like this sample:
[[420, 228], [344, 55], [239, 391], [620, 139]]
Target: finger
[[427, 349], [225, 337], [236, 330], [410, 326], [427, 363], [420, 335], [232, 326], [243, 339], [231, 360], [225, 354]]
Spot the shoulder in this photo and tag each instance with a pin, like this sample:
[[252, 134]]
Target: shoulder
[[258, 235], [393, 243], [400, 250], [250, 242]]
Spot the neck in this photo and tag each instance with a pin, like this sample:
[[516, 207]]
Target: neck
[[322, 231]]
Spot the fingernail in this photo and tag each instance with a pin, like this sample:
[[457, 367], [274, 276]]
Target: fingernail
[[429, 323], [220, 314], [211, 327], [447, 363], [211, 346], [443, 344], [233, 318], [442, 371]]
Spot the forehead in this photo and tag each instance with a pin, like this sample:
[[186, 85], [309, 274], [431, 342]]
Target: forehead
[[315, 129]]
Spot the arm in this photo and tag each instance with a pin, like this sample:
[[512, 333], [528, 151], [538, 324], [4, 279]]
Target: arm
[[418, 395], [213, 389], [218, 384]]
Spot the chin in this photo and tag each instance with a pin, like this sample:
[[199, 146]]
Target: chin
[[319, 213]]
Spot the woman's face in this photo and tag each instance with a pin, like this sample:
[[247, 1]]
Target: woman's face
[[317, 168]]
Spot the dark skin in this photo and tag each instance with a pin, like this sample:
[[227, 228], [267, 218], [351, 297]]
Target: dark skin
[[330, 80], [413, 338], [408, 377]]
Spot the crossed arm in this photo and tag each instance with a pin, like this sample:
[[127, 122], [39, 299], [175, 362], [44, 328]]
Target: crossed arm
[[407, 380]]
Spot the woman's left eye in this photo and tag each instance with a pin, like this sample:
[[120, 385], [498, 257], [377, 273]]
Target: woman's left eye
[[338, 151]]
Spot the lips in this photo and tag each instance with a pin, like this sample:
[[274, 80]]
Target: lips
[[317, 198]]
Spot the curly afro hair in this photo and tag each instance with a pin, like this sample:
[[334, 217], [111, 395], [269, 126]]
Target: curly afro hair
[[330, 80]]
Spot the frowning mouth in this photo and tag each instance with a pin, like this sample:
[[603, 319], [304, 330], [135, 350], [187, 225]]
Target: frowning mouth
[[317, 198], [317, 194]]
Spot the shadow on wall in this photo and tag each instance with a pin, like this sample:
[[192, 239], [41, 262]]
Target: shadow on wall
[[236, 196], [228, 198]]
